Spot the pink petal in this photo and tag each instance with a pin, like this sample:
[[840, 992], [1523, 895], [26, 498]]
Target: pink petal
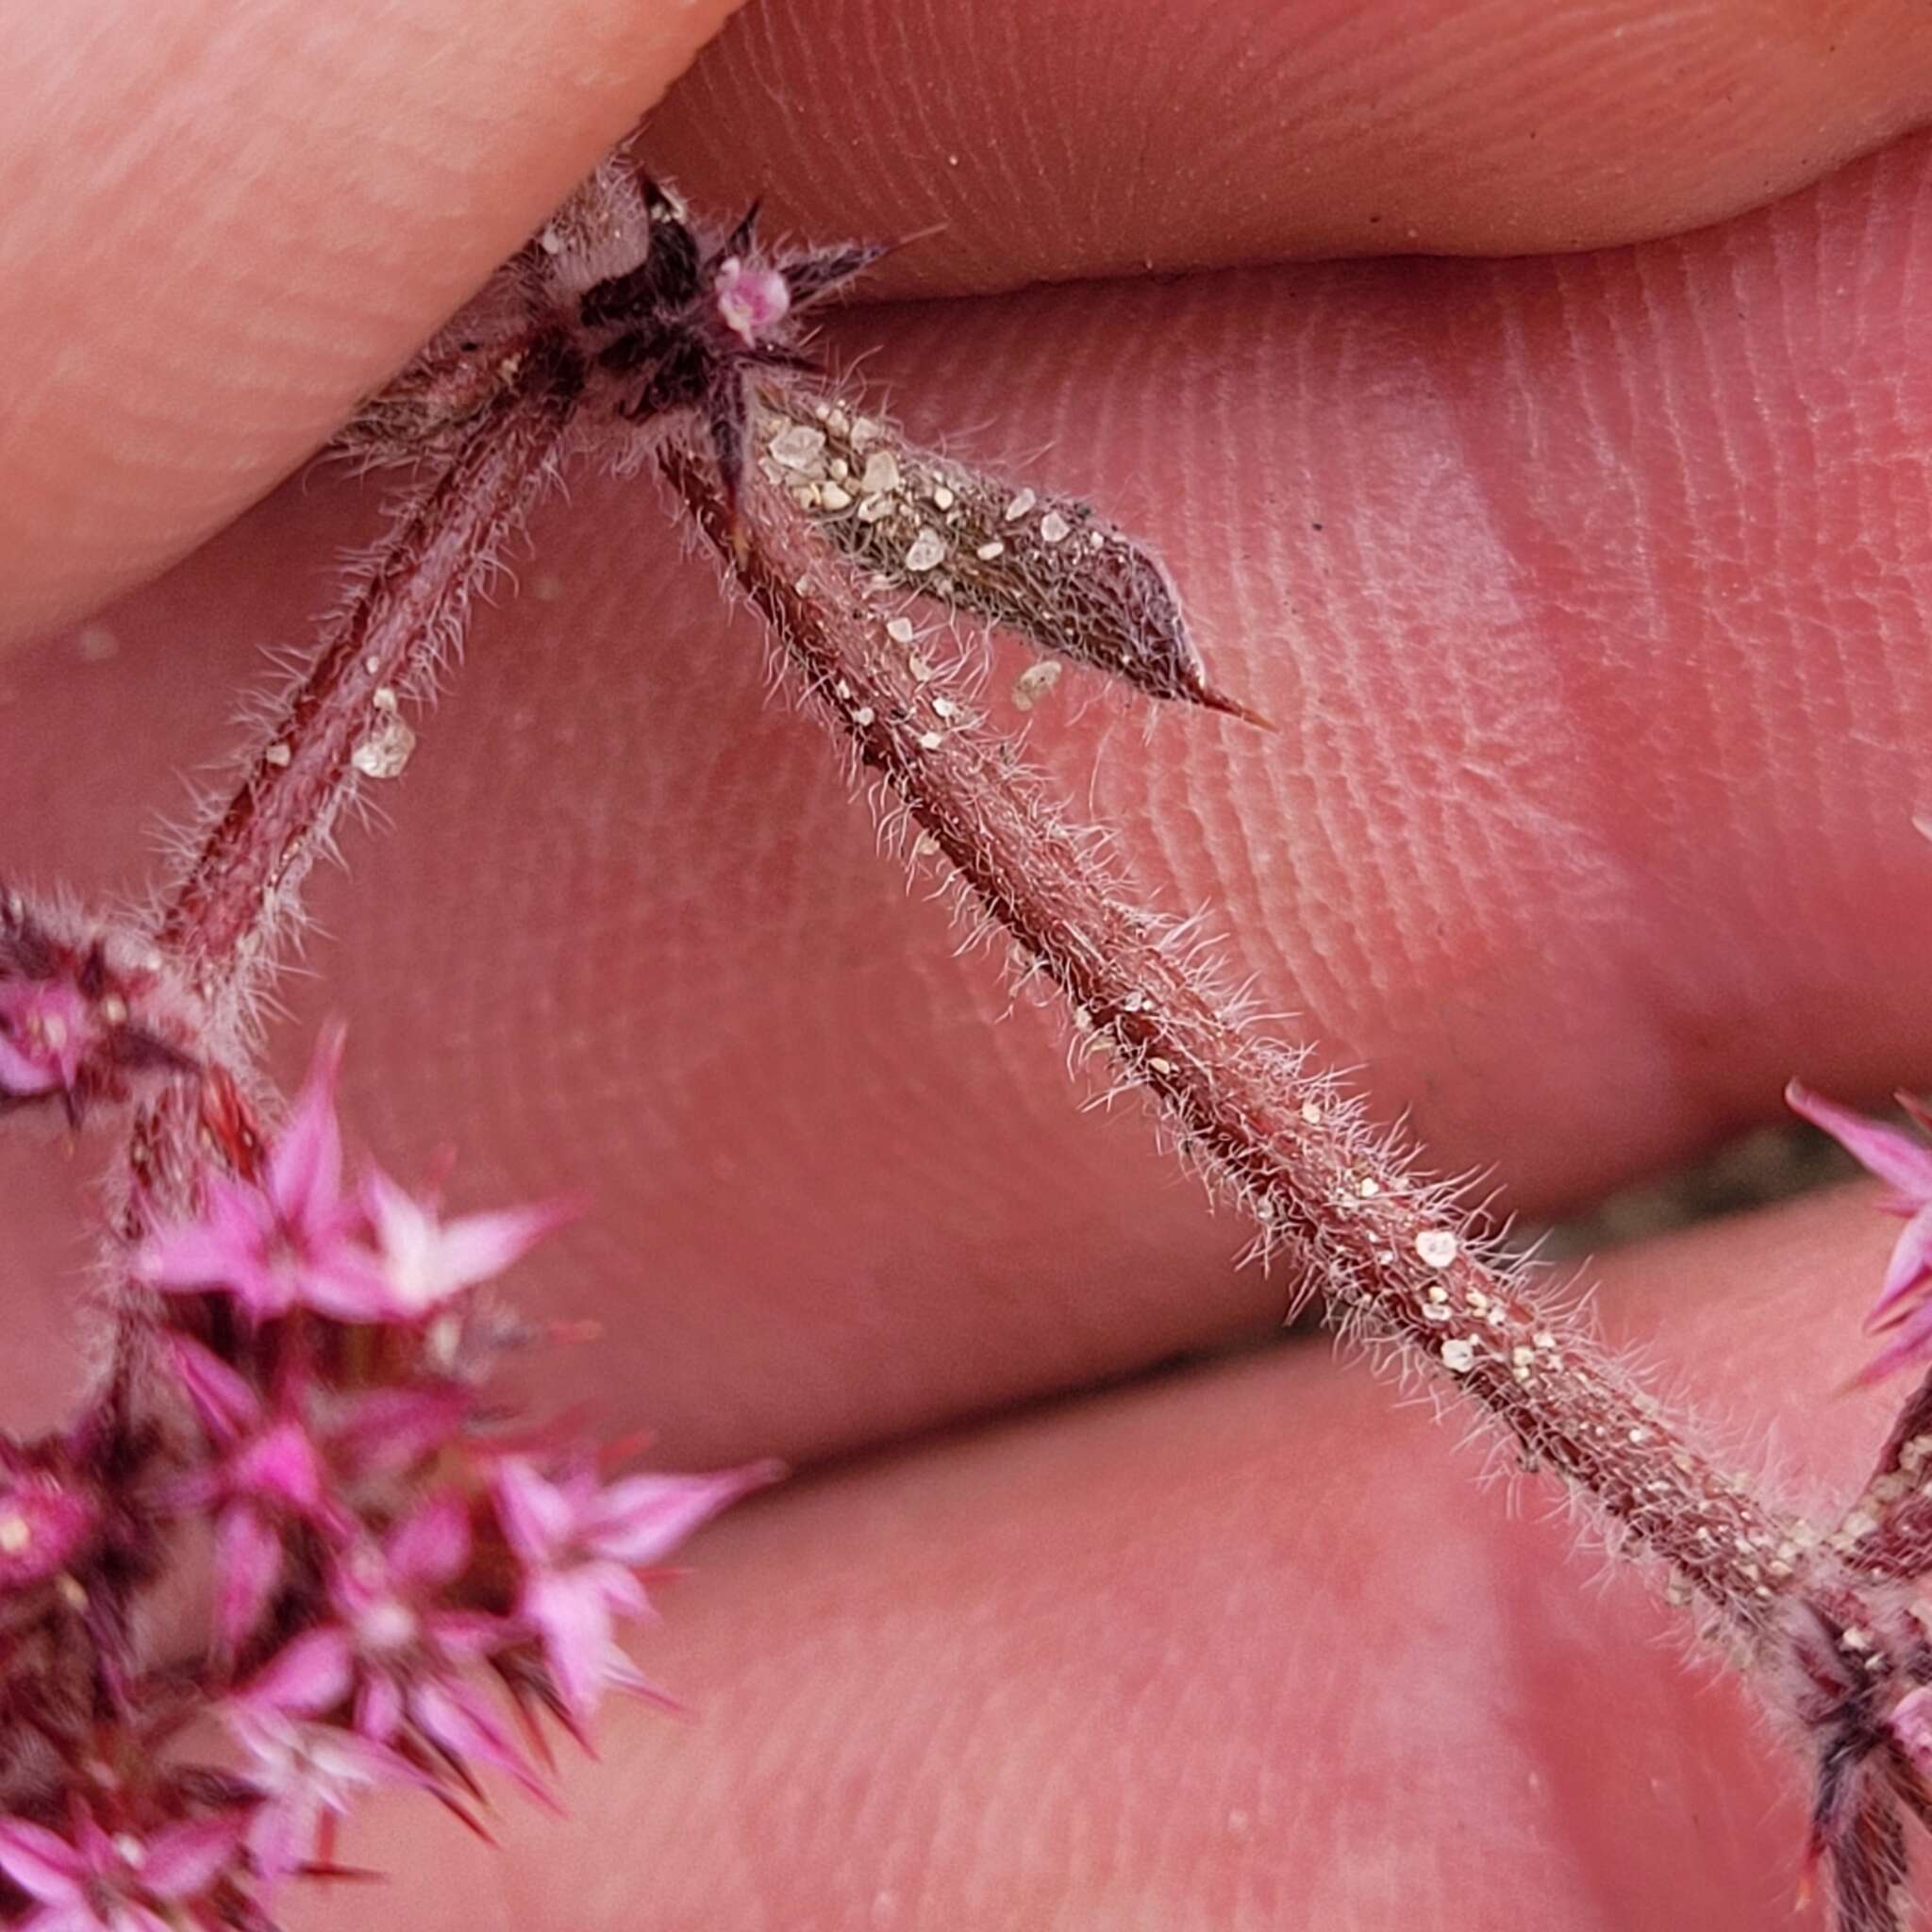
[[223, 1400], [281, 1833], [72, 1915], [305, 1171], [185, 1860], [220, 1248], [576, 1624], [283, 1464], [537, 1516], [42, 1864], [356, 1759], [623, 1594], [345, 1281], [1911, 1342], [620, 1674], [452, 1715], [248, 1568], [432, 1545], [1894, 1157], [23, 1075], [378, 1706], [475, 1247], [428, 1262], [470, 1634], [387, 1429], [644, 1518], [98, 1851], [309, 1677], [1911, 1260]]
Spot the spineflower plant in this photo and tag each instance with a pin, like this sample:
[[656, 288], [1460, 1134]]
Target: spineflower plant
[[408, 1581]]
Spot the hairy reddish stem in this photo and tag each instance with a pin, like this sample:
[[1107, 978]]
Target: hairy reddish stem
[[405, 611], [1392, 1255]]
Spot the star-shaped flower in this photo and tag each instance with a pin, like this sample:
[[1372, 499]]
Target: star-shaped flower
[[289, 1241], [268, 1472], [580, 1543], [396, 1656], [426, 1261], [101, 1881], [307, 1774]]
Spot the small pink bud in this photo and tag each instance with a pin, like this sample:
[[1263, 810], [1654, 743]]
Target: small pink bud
[[44, 1523], [751, 301]]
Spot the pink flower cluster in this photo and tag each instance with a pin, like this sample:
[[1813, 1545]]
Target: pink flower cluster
[[385, 1551], [80, 1018]]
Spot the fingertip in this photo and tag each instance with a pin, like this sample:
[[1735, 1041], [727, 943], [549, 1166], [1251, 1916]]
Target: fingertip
[[1078, 137], [225, 224]]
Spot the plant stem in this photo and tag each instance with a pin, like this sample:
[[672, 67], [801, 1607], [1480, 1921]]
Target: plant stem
[[404, 615], [1396, 1258]]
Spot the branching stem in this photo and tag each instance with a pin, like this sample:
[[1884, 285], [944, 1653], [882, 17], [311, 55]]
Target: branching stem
[[1395, 1256], [404, 615]]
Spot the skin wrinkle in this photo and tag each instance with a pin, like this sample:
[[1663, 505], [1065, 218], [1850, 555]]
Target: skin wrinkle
[[1545, 820], [1308, 949], [1664, 407]]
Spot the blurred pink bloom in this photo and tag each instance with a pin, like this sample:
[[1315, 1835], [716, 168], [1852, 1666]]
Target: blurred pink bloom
[[291, 1241], [751, 301], [579, 1544], [396, 1656], [267, 1472], [306, 1772], [425, 1261], [115, 1882], [1905, 1164], [383, 1431], [44, 1033], [46, 1520]]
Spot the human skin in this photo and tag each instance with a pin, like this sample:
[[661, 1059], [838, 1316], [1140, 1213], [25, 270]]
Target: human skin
[[1600, 684]]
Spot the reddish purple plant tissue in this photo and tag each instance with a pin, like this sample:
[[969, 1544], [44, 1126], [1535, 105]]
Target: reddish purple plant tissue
[[407, 1580]]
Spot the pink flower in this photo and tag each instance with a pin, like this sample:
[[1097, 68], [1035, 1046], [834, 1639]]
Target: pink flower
[[46, 1521], [115, 1882], [580, 1544], [288, 1242], [395, 1658], [751, 301], [427, 1262], [1906, 1165]]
